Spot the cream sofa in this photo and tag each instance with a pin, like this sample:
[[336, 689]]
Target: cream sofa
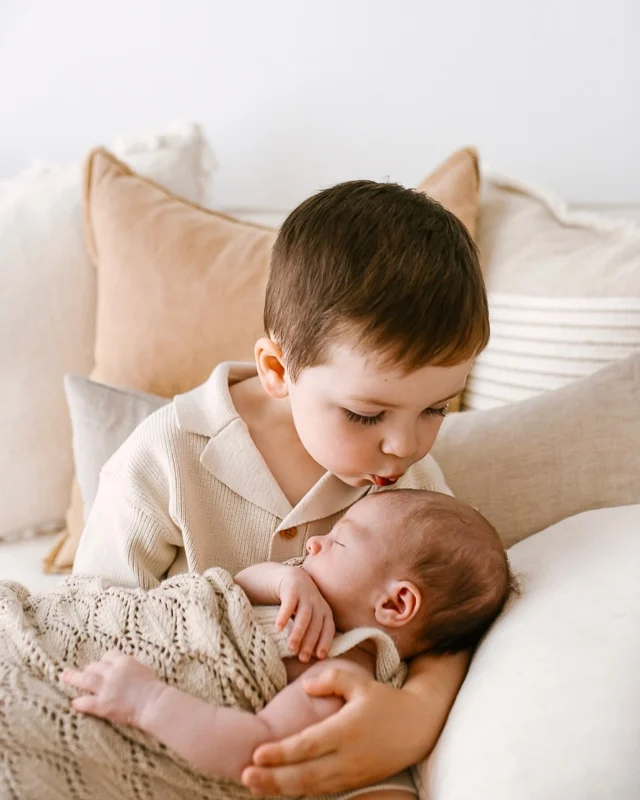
[[551, 706]]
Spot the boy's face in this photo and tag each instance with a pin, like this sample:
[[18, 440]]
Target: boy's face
[[366, 421]]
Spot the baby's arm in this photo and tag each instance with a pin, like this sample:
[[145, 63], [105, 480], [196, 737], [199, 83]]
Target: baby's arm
[[218, 741], [261, 582], [271, 583]]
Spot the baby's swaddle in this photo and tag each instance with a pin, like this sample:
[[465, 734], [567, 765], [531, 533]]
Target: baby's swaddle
[[197, 632]]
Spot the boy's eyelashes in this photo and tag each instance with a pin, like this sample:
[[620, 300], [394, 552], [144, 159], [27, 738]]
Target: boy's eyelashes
[[360, 419]]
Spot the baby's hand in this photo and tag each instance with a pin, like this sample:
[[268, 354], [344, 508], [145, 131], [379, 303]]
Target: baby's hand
[[117, 688], [313, 627]]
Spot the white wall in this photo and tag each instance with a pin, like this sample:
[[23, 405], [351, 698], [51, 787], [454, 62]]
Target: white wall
[[295, 95]]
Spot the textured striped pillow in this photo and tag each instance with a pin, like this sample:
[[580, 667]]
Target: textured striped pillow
[[564, 292]]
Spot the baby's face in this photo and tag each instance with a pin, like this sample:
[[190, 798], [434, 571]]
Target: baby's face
[[352, 564]]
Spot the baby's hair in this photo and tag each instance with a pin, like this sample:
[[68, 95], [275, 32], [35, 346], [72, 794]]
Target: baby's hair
[[388, 266], [456, 557]]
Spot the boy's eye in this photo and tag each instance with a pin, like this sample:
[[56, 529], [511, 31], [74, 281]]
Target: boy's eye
[[361, 420], [436, 412]]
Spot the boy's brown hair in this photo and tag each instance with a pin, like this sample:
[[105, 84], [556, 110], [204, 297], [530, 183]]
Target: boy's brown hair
[[382, 263]]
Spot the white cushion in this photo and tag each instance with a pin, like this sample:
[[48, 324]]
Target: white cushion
[[47, 316], [564, 292], [550, 709]]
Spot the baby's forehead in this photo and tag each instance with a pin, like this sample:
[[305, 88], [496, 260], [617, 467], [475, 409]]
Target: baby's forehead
[[381, 512], [396, 503]]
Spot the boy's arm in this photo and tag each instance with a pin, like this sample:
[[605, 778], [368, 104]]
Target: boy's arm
[[129, 536], [378, 732]]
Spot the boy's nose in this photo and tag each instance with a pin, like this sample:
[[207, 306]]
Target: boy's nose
[[401, 444], [314, 546]]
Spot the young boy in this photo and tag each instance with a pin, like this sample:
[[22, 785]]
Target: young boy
[[375, 309], [402, 573]]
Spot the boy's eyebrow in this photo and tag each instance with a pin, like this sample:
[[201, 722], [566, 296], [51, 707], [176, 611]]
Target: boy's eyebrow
[[373, 402]]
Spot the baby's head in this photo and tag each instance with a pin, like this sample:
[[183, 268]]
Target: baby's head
[[375, 309], [422, 566]]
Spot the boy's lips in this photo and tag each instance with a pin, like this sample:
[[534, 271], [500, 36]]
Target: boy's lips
[[379, 480]]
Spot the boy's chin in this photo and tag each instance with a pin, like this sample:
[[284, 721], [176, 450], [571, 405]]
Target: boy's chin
[[354, 480]]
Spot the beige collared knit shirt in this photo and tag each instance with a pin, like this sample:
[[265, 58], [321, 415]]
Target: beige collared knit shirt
[[189, 490]]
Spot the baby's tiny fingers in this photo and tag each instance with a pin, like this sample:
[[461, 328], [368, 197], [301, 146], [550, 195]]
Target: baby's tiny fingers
[[287, 610], [300, 625], [112, 657], [311, 638], [326, 637], [87, 704], [85, 680]]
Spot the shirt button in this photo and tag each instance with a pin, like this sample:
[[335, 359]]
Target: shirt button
[[288, 533]]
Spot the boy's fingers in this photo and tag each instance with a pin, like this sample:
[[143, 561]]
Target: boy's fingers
[[323, 775], [333, 681], [313, 742]]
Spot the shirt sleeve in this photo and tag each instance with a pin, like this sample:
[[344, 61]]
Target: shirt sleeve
[[129, 536]]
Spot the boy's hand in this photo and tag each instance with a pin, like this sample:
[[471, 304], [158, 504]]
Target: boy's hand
[[378, 732], [117, 688], [313, 627]]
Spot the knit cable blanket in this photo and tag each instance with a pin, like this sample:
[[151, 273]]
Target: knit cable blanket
[[197, 632]]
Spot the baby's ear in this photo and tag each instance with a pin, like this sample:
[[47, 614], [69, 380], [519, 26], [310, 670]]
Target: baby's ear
[[398, 605]]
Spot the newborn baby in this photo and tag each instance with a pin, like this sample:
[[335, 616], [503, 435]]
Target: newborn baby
[[417, 569]]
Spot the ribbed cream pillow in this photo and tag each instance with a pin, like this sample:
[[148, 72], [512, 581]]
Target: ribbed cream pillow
[[530, 464], [564, 292]]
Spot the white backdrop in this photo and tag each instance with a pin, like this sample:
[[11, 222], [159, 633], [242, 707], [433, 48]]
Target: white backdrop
[[296, 94]]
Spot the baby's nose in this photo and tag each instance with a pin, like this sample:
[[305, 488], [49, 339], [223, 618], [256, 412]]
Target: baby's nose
[[313, 545]]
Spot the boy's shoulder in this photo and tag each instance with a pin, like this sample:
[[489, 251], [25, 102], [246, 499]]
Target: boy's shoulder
[[185, 424], [426, 475], [208, 409]]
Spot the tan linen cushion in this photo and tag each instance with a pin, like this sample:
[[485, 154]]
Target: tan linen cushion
[[564, 292], [530, 464], [181, 288]]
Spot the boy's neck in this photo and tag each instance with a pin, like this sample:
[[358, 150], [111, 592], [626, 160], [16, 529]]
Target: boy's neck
[[273, 432]]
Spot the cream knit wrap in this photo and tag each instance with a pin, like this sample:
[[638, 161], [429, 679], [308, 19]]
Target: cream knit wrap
[[197, 632]]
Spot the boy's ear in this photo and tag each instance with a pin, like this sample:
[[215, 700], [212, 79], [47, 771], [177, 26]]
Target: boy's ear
[[271, 367], [398, 605]]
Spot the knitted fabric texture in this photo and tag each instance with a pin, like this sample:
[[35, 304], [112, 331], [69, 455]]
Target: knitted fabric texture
[[197, 632]]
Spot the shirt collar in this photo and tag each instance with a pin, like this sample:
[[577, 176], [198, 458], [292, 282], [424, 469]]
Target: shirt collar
[[232, 457]]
